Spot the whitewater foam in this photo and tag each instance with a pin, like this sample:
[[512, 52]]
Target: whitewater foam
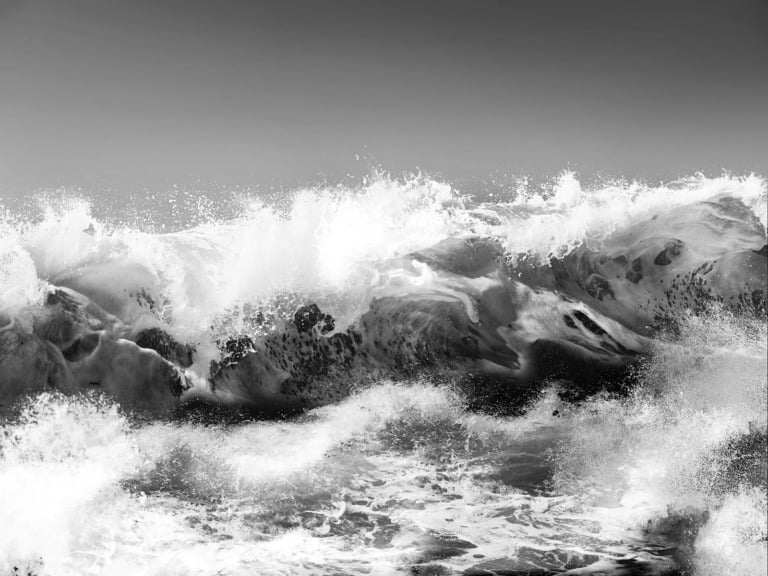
[[320, 243]]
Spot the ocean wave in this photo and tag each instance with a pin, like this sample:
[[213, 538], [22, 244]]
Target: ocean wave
[[558, 379]]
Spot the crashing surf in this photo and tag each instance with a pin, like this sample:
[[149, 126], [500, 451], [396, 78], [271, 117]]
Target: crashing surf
[[548, 321]]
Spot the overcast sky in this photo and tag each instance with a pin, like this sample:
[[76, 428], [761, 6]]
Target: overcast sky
[[136, 94]]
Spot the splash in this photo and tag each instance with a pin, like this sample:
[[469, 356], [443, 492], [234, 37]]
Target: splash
[[322, 243], [674, 446]]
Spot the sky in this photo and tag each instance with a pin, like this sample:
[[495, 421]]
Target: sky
[[148, 94]]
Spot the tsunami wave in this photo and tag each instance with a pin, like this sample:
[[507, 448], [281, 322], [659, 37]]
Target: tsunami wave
[[395, 378]]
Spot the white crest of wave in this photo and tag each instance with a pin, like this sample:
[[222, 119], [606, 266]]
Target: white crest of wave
[[317, 245], [321, 243], [554, 221]]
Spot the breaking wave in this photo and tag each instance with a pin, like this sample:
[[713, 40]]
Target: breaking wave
[[644, 452]]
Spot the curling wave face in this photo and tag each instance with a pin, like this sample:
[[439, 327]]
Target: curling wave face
[[529, 310]]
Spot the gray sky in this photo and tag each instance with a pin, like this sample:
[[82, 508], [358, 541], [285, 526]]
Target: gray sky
[[148, 93]]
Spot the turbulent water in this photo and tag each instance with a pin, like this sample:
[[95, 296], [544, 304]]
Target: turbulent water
[[550, 379]]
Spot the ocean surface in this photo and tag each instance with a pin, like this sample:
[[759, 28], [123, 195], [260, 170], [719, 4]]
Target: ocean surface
[[390, 378]]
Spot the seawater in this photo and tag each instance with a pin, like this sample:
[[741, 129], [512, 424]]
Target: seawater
[[400, 477]]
